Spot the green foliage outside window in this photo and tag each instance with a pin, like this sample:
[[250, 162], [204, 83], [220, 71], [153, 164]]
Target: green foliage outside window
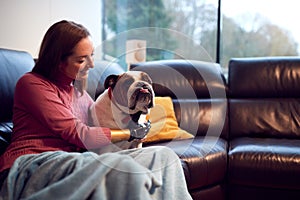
[[142, 20]]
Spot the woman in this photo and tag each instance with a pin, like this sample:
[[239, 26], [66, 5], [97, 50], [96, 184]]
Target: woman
[[48, 157]]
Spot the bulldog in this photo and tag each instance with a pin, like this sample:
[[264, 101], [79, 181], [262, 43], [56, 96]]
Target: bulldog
[[126, 100]]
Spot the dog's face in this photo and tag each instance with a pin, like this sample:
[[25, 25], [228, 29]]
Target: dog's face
[[132, 90]]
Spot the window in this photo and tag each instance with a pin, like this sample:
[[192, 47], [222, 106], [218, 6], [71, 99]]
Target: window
[[172, 29], [188, 29], [253, 28]]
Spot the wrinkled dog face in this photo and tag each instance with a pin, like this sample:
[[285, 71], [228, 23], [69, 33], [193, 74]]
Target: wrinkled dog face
[[132, 90]]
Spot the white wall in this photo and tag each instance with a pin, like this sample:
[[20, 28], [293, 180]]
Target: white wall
[[23, 23]]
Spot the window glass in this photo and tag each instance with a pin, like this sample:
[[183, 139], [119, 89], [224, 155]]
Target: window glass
[[168, 29], [254, 28]]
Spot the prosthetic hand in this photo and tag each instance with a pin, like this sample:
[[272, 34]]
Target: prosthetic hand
[[139, 131]]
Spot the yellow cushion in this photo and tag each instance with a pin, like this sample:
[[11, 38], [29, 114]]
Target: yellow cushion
[[164, 125]]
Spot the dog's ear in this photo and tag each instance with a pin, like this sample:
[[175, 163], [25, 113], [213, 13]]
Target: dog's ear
[[111, 81]]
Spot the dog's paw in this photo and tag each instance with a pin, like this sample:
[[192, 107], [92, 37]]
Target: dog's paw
[[139, 131]]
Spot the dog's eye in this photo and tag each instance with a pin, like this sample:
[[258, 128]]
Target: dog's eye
[[146, 78], [128, 83]]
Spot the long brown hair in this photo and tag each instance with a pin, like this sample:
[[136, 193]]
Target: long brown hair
[[58, 43]]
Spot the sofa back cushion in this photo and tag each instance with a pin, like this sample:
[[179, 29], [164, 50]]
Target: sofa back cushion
[[13, 64], [264, 97], [97, 75], [198, 90], [185, 79]]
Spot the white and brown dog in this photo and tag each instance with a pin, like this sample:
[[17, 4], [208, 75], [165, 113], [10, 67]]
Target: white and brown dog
[[124, 103]]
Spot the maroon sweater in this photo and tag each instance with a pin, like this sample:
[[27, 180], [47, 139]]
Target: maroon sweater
[[49, 117]]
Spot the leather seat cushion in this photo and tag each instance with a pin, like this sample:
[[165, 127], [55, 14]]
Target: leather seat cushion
[[265, 162], [204, 160]]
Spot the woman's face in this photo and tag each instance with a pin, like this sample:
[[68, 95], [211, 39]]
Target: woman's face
[[78, 64]]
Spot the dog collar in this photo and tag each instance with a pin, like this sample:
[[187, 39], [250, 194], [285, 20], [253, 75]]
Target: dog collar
[[110, 93]]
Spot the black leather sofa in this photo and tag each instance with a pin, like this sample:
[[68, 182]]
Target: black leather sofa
[[198, 90], [264, 113], [246, 130]]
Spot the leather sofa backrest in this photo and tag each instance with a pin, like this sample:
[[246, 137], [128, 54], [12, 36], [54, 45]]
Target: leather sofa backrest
[[185, 79], [264, 97], [98, 74], [198, 90], [12, 66]]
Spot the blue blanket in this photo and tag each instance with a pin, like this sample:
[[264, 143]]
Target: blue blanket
[[147, 173]]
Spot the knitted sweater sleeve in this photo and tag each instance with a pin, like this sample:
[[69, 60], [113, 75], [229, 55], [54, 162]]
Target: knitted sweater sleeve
[[51, 107]]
